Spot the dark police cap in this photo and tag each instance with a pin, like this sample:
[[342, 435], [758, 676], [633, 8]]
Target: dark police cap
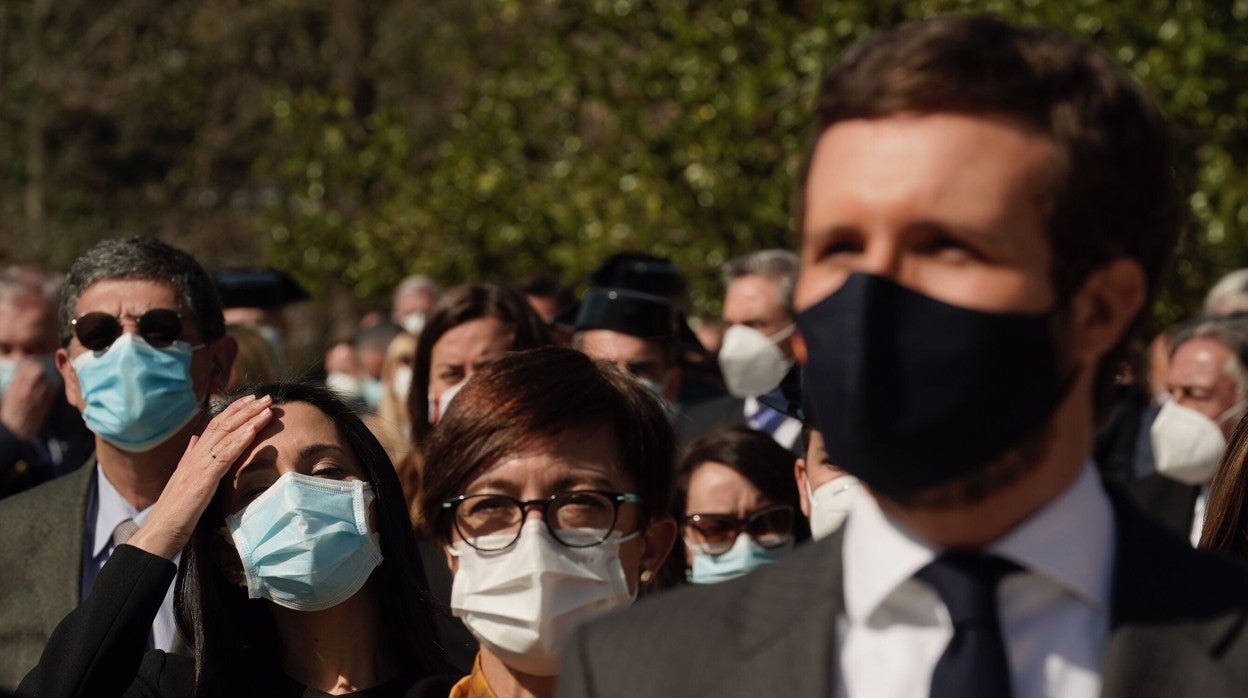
[[627, 312], [640, 272], [257, 288]]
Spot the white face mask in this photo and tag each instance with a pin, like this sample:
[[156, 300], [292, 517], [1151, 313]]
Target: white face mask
[[829, 504], [751, 362], [414, 322], [1187, 445], [345, 385], [438, 405], [523, 602], [401, 382]]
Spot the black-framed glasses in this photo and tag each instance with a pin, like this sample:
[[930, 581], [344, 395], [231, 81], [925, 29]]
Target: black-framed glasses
[[577, 519], [97, 331], [770, 527]]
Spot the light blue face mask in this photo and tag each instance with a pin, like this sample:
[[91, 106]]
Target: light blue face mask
[[136, 395], [8, 369], [305, 543], [744, 556]]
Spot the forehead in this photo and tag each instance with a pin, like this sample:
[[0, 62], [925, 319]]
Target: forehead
[[1202, 359], [470, 339], [752, 293], [973, 171], [126, 296], [609, 345], [294, 426], [587, 457], [717, 488]]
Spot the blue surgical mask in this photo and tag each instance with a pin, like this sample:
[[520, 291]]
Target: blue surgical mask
[[8, 370], [136, 395], [305, 543], [8, 367], [744, 556]]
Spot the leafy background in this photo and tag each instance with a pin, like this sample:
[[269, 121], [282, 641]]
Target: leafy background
[[354, 142]]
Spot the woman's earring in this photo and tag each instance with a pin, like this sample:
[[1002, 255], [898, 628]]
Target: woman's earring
[[646, 576]]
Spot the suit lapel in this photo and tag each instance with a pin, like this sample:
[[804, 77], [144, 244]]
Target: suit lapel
[[788, 621], [61, 547]]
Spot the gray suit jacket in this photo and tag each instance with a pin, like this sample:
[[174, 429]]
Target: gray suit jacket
[[41, 539], [1177, 628]]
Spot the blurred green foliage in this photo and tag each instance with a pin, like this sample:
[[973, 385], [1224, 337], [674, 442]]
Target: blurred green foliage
[[355, 142]]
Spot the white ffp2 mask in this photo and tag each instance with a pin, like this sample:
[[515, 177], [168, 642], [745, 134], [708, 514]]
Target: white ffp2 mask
[[1187, 445], [523, 602], [829, 504], [751, 362]]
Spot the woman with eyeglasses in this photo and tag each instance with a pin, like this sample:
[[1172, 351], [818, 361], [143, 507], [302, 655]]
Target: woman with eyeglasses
[[737, 504], [547, 482], [298, 573]]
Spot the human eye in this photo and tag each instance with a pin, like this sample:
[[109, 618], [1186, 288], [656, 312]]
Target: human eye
[[488, 506], [944, 245], [835, 244]]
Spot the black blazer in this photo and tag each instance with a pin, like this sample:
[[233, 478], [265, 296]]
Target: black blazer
[[1177, 628], [98, 650], [1170, 502]]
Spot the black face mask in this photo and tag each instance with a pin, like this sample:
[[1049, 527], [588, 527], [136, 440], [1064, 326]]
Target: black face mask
[[910, 392]]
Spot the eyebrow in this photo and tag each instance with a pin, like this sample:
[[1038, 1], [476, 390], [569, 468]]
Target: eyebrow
[[563, 484], [313, 451]]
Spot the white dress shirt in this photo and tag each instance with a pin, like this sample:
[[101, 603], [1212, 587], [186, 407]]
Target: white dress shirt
[[1198, 515], [105, 509], [1054, 616]]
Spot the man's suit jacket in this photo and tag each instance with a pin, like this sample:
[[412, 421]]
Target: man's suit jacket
[[725, 411], [41, 550], [1177, 628], [1170, 502]]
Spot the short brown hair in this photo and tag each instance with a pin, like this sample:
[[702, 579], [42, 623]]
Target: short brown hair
[[522, 401], [1116, 194]]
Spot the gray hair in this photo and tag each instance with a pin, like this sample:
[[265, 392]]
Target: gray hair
[[18, 280], [1231, 333], [1229, 295], [144, 259], [777, 265], [414, 284]]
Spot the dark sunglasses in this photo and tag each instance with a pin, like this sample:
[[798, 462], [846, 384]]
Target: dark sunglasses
[[770, 527], [159, 327]]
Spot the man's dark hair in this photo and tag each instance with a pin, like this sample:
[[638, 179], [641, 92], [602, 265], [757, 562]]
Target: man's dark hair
[[148, 260], [1115, 193]]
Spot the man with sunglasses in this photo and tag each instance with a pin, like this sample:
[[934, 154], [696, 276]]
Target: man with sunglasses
[[143, 346], [985, 212]]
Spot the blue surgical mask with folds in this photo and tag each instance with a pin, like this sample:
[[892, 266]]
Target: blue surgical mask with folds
[[305, 543], [135, 396], [745, 555], [8, 367]]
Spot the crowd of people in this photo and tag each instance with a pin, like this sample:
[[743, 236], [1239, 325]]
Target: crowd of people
[[919, 456]]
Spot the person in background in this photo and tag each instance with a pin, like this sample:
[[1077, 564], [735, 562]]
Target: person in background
[[1208, 394], [343, 373], [298, 576], [636, 332], [985, 212], [255, 362], [370, 346], [391, 424], [549, 513], [257, 298], [546, 295], [41, 435], [471, 326], [413, 300], [1228, 296], [736, 504], [143, 346], [757, 349]]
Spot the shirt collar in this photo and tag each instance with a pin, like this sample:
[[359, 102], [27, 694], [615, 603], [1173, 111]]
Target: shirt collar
[[1069, 542], [113, 509]]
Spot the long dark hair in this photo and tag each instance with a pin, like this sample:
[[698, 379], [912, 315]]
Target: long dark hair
[[1226, 524], [233, 636]]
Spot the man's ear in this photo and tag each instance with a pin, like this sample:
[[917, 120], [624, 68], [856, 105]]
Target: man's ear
[[1104, 308], [452, 561], [799, 474], [659, 537], [224, 351], [73, 391]]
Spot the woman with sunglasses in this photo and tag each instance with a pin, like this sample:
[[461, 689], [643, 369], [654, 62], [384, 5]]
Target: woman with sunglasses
[[737, 503], [298, 572], [547, 483]]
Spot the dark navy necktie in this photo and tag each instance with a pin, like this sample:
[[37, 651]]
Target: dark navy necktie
[[975, 664]]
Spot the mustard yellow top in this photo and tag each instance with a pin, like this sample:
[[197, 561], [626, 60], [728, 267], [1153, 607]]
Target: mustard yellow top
[[473, 685]]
